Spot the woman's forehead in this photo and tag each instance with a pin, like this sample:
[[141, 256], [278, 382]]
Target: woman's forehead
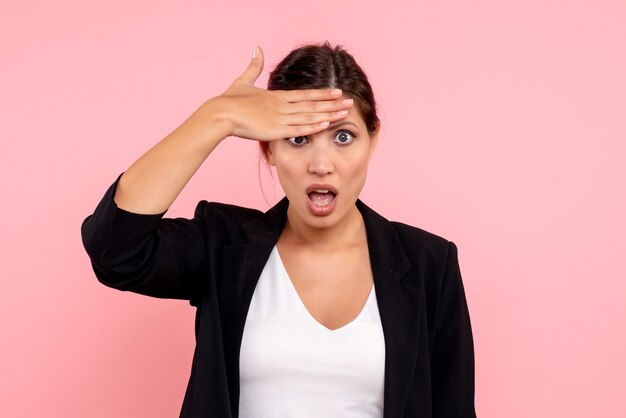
[[355, 114]]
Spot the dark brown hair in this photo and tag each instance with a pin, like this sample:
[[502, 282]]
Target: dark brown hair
[[321, 66]]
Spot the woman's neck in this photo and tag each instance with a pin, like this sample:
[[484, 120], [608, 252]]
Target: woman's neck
[[348, 232]]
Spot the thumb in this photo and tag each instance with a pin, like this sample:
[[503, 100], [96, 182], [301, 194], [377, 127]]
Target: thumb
[[254, 68]]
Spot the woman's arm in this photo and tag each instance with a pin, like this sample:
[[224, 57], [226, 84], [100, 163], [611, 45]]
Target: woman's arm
[[453, 353], [131, 246]]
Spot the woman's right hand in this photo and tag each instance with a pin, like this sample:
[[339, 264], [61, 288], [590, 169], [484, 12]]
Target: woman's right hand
[[152, 183], [266, 115]]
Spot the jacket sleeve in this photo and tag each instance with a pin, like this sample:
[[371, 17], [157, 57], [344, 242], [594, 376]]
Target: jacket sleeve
[[146, 253], [453, 354]]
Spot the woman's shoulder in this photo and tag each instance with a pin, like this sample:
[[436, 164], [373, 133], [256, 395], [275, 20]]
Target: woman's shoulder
[[413, 233], [227, 210], [414, 239], [226, 215], [419, 243]]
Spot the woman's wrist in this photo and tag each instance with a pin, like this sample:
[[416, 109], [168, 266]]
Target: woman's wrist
[[215, 115]]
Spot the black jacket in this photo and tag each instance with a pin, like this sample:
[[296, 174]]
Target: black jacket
[[215, 259]]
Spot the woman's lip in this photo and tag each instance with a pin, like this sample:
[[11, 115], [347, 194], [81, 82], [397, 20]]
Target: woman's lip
[[317, 186]]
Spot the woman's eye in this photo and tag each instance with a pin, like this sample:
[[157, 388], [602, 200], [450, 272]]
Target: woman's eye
[[297, 140], [344, 137]]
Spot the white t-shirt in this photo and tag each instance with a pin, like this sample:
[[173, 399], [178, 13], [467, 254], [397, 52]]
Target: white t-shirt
[[293, 366]]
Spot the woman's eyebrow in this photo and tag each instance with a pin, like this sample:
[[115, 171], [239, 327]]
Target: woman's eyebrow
[[341, 123]]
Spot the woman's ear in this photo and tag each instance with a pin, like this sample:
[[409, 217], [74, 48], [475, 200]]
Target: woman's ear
[[374, 140]]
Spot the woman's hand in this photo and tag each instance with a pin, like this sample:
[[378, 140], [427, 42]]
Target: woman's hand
[[267, 115]]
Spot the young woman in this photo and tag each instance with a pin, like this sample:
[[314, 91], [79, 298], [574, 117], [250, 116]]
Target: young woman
[[319, 307]]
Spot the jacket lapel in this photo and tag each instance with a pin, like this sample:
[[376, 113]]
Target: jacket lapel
[[242, 265], [399, 305]]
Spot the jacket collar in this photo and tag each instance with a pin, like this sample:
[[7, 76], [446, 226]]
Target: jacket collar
[[386, 253]]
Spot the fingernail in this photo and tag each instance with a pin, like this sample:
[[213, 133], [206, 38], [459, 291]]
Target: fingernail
[[342, 112], [336, 92], [347, 101], [255, 52]]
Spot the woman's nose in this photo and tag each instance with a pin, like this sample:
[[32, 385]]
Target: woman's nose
[[321, 162]]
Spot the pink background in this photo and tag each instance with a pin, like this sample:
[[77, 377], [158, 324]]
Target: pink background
[[504, 130]]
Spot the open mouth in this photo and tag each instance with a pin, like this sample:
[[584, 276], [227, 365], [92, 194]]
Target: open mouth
[[322, 199]]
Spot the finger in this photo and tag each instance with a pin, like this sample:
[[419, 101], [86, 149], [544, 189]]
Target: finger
[[254, 68], [303, 119], [319, 106], [303, 130], [311, 95]]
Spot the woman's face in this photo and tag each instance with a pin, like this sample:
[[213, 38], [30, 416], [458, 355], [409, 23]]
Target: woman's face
[[322, 174]]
